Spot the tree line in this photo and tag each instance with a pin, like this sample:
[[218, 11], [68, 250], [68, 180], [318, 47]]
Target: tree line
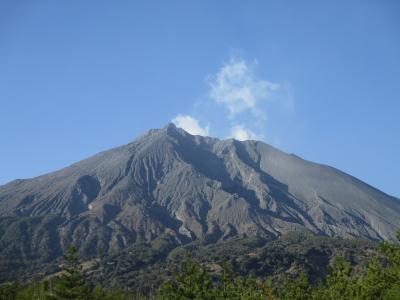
[[379, 280]]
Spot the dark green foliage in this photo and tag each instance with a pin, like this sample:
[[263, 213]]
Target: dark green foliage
[[194, 282], [382, 279], [98, 293], [143, 267], [298, 288], [71, 284], [191, 282], [379, 279], [9, 291], [339, 284]]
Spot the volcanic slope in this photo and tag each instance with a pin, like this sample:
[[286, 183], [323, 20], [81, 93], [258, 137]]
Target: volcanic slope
[[170, 183]]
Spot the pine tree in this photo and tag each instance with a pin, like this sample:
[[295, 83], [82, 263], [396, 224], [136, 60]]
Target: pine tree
[[191, 282], [71, 284], [296, 288], [382, 279]]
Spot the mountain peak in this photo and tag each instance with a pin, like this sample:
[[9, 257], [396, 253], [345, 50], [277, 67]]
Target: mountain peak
[[173, 131], [168, 182], [170, 126], [169, 129]]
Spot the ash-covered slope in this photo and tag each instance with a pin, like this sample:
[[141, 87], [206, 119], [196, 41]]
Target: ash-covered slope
[[170, 183]]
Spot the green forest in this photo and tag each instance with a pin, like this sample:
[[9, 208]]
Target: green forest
[[378, 279]]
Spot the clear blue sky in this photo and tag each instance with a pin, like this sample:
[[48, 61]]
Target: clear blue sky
[[317, 78]]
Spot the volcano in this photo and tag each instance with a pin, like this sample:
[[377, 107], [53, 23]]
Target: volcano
[[170, 183]]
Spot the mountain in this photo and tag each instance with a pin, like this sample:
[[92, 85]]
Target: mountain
[[170, 184]]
